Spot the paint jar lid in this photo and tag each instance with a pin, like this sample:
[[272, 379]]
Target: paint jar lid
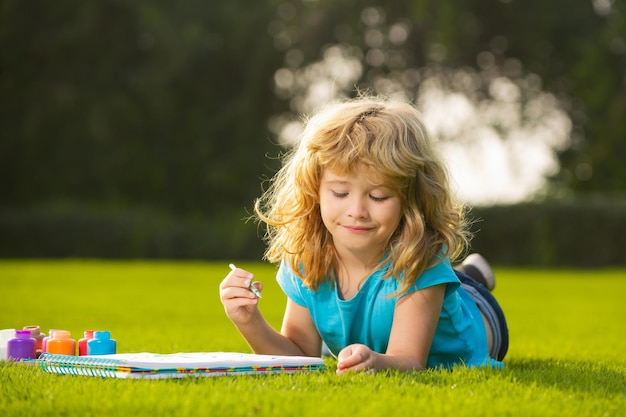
[[101, 334], [22, 334], [35, 331], [61, 334]]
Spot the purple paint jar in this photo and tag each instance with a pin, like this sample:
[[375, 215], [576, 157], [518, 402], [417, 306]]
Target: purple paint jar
[[22, 346]]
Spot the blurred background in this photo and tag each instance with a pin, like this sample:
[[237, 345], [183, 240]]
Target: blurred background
[[145, 129]]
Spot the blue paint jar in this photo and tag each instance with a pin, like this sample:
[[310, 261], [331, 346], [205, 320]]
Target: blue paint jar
[[101, 344]]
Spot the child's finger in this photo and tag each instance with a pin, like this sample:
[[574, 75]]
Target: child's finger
[[349, 360], [237, 278], [353, 358]]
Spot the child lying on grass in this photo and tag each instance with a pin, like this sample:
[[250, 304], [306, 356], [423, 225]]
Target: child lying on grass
[[363, 225]]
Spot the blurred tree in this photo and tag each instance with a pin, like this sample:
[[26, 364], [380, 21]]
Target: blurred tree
[[167, 103], [136, 103], [579, 49], [573, 50]]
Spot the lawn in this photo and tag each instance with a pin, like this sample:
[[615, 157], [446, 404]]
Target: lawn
[[567, 355]]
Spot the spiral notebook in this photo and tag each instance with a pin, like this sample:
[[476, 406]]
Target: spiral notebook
[[177, 365]]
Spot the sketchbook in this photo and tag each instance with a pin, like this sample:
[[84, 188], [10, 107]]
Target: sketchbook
[[177, 365]]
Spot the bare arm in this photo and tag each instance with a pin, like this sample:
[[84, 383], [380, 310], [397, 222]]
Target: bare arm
[[298, 327], [298, 336]]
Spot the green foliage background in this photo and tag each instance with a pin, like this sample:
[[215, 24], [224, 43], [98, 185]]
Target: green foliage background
[[145, 124], [141, 103]]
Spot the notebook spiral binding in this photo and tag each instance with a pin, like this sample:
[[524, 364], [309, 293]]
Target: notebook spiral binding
[[78, 365]]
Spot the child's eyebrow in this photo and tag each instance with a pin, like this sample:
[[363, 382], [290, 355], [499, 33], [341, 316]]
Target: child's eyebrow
[[337, 181], [334, 178]]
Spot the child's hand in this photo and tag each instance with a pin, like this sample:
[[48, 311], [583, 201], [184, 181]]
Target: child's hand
[[239, 302], [356, 358]]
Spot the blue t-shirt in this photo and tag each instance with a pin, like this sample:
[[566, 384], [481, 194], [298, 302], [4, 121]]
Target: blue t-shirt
[[366, 318]]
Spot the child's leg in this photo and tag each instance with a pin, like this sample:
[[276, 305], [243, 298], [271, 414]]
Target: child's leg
[[495, 323], [489, 334]]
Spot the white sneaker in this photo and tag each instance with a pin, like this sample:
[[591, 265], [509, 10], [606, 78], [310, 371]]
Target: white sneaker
[[478, 268]]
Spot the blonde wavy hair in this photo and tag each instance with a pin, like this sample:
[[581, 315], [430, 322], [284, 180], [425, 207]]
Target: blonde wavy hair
[[390, 137]]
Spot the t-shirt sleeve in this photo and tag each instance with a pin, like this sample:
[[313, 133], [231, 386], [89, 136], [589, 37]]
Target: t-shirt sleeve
[[291, 284], [441, 273]]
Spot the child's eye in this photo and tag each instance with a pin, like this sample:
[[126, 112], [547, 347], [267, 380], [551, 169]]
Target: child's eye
[[339, 194], [377, 198]]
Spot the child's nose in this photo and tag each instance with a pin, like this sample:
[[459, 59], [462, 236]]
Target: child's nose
[[358, 207]]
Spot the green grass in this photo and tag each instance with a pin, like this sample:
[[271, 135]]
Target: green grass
[[567, 355]]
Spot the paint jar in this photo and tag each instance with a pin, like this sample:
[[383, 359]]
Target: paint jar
[[101, 344], [82, 343], [44, 342], [35, 333], [61, 343], [21, 346], [5, 336]]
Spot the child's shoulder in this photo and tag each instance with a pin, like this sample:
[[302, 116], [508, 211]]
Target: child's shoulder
[[440, 273]]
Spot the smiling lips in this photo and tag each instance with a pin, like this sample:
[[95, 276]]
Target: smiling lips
[[357, 229]]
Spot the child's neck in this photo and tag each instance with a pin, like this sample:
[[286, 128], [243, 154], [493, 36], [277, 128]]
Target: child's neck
[[351, 274]]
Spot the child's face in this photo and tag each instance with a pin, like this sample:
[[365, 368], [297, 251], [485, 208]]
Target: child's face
[[359, 214]]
